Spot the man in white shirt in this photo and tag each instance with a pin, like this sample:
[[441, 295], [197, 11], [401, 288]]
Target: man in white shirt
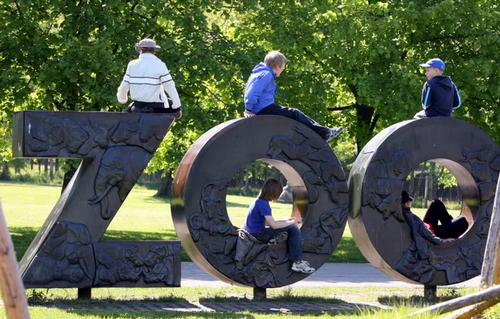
[[148, 79]]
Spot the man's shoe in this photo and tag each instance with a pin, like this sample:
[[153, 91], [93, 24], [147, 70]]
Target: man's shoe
[[303, 267], [281, 237], [334, 132]]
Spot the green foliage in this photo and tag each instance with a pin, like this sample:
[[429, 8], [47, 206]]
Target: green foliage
[[351, 63], [60, 55], [362, 57]]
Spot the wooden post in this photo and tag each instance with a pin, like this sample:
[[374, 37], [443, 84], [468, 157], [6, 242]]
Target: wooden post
[[487, 295], [84, 293], [259, 294], [430, 291], [11, 285], [490, 271]]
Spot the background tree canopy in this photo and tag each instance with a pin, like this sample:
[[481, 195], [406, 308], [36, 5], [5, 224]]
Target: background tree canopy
[[352, 63]]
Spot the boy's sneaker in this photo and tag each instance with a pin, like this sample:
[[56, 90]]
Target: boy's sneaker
[[334, 132], [302, 266], [281, 237]]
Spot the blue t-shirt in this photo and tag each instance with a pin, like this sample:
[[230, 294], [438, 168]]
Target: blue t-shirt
[[255, 217]]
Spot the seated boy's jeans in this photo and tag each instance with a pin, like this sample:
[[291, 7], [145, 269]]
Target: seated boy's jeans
[[294, 240]]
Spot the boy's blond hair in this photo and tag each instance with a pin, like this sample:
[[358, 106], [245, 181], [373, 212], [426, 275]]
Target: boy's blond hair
[[274, 59]]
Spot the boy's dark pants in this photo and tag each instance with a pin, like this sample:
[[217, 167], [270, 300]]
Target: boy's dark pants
[[276, 109], [294, 240], [450, 227]]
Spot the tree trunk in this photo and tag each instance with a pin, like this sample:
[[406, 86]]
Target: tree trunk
[[165, 185], [412, 186], [419, 184], [426, 192], [67, 177], [246, 178], [5, 171], [432, 182], [241, 177], [366, 124], [57, 165], [51, 169]]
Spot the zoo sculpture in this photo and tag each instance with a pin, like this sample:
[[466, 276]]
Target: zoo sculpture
[[116, 147]]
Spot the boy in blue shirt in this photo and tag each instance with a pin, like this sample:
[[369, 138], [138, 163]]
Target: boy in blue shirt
[[259, 215], [260, 91], [439, 95]]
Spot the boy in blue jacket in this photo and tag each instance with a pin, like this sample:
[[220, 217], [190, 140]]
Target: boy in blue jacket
[[439, 95], [260, 91]]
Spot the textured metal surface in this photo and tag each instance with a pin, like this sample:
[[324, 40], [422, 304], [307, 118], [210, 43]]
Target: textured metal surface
[[115, 148], [199, 209], [375, 185]]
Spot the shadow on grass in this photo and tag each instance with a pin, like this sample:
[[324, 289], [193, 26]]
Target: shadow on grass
[[418, 301], [234, 204], [156, 314], [157, 199], [23, 236], [347, 252], [220, 307], [283, 298]]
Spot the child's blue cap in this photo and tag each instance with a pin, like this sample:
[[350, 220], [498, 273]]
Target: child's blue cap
[[436, 63]]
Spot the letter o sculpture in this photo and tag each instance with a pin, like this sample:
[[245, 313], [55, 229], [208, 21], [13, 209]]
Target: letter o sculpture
[[201, 220], [377, 179]]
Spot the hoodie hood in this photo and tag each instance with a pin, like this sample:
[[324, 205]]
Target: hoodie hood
[[260, 88], [443, 81], [262, 67]]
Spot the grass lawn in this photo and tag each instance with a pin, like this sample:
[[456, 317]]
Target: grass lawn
[[62, 303], [145, 217], [141, 217]]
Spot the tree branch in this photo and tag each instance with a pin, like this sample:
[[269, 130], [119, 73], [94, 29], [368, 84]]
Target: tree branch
[[19, 8], [374, 122], [340, 108], [460, 36]]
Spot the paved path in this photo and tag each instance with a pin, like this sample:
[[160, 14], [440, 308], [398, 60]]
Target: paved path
[[331, 275]]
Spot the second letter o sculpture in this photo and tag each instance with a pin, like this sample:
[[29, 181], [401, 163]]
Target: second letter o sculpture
[[198, 202], [375, 184]]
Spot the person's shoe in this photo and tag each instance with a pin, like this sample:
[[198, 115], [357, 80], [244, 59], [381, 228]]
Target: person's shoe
[[334, 132], [302, 266], [281, 237]]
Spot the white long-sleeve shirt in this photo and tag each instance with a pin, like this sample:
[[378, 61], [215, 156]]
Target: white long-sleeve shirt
[[148, 79]]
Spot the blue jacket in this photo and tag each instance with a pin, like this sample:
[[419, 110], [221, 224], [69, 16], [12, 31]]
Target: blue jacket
[[260, 88], [440, 96]]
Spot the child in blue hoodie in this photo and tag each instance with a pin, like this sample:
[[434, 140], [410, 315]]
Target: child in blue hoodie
[[260, 91], [439, 95]]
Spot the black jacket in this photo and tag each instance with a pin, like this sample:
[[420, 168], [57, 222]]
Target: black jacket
[[440, 96], [420, 233]]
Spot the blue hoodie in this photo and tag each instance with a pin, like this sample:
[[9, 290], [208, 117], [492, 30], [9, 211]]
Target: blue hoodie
[[260, 88], [440, 96]]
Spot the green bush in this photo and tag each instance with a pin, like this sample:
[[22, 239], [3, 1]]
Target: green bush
[[420, 203], [240, 191], [27, 176]]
